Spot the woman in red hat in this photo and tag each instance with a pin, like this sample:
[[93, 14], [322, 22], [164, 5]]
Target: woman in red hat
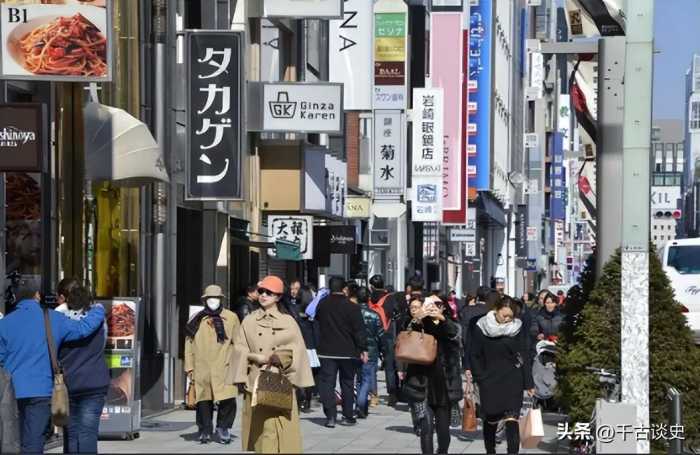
[[269, 336]]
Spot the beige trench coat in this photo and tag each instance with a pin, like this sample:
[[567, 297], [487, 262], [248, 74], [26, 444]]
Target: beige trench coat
[[209, 359], [262, 333]]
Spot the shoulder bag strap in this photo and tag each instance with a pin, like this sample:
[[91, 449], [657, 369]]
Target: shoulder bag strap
[[49, 340]]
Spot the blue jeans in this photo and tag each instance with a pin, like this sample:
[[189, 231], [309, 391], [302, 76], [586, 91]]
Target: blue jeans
[[80, 435], [34, 418], [367, 380]]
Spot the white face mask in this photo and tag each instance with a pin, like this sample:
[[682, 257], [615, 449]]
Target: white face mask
[[213, 303]]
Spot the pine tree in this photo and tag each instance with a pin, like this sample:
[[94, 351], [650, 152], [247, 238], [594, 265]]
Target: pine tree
[[575, 301], [674, 359]]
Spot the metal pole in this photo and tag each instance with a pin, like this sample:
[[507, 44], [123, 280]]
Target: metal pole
[[635, 211], [675, 417]]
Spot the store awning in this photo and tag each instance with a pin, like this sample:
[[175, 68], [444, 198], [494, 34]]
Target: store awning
[[120, 148], [491, 210]]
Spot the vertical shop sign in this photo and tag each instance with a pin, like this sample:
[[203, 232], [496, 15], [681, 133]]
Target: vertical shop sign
[[427, 155], [521, 231], [350, 54], [389, 154], [446, 72], [291, 228], [480, 68], [390, 39], [564, 121], [557, 179], [214, 131]]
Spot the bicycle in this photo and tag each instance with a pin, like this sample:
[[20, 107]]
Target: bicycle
[[611, 393]]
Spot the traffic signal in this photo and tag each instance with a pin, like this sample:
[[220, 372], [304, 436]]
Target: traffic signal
[[668, 214]]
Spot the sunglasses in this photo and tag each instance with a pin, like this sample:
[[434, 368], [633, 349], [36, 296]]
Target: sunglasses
[[263, 291]]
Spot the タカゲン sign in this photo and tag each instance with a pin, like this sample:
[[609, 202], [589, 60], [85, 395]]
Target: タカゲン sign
[[303, 108], [70, 41], [214, 132]]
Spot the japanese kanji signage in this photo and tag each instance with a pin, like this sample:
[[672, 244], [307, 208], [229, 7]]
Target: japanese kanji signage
[[427, 156], [293, 228], [557, 208], [389, 154], [390, 33], [214, 130], [303, 108]]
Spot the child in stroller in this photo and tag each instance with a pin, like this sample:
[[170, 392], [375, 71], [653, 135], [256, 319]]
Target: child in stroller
[[544, 370]]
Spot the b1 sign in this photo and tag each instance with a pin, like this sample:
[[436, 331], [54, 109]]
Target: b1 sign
[[303, 108]]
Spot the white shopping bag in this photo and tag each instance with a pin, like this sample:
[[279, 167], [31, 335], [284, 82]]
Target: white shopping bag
[[531, 429]]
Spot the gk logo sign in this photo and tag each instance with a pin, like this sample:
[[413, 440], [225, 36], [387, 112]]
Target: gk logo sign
[[283, 108]]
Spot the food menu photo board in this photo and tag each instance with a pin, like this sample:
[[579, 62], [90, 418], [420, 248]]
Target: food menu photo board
[[122, 411], [56, 40]]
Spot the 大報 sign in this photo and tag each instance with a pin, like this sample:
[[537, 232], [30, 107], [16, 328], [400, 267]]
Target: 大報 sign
[[303, 108], [296, 229]]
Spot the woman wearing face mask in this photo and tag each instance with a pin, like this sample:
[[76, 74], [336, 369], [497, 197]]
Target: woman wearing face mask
[[208, 348], [501, 366], [548, 320], [269, 337]]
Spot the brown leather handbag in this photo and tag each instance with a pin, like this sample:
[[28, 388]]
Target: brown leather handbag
[[273, 390], [60, 408], [414, 347], [191, 398], [469, 423]]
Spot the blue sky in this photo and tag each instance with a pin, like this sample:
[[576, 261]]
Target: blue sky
[[677, 37]]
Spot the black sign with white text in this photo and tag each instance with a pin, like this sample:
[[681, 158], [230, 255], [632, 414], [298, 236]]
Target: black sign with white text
[[22, 132], [340, 239], [214, 130], [521, 231]]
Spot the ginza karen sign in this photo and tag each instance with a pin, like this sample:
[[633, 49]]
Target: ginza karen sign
[[303, 108]]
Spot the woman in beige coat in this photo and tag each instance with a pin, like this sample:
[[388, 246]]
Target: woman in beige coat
[[208, 350], [269, 336]]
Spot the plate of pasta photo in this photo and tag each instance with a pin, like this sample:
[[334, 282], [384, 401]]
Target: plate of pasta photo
[[72, 44]]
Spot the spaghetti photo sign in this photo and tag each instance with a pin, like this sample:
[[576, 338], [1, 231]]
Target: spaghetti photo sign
[[56, 41]]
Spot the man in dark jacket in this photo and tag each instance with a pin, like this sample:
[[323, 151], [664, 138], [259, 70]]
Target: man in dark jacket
[[380, 296], [247, 303], [24, 354], [9, 418], [343, 341]]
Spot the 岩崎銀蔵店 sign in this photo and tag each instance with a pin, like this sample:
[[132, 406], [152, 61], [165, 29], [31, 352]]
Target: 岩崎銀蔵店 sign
[[303, 108]]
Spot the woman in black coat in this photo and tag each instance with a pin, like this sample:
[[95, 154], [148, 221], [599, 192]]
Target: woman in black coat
[[438, 385], [548, 320], [501, 367]]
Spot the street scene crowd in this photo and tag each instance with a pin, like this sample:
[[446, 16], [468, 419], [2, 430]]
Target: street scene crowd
[[283, 345]]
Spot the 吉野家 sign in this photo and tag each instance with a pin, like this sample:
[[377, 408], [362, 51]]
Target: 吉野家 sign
[[389, 151], [303, 108], [70, 41], [214, 130], [307, 9], [295, 229], [22, 135]]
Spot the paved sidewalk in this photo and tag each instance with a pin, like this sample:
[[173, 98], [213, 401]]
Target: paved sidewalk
[[386, 430]]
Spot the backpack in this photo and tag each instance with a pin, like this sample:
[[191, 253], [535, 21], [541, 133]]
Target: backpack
[[379, 309]]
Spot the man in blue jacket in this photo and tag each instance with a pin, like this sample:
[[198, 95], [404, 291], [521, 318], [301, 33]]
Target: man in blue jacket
[[24, 354]]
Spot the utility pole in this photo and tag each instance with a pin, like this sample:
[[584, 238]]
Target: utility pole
[[635, 211]]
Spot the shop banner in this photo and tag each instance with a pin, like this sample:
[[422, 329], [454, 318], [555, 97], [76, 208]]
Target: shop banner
[[350, 54], [427, 156], [389, 154], [480, 69], [269, 51], [564, 122], [606, 23], [215, 129], [292, 228], [303, 9], [665, 197], [293, 107], [315, 179], [341, 239], [70, 41], [336, 185], [521, 231], [23, 133], [557, 210], [390, 43], [446, 56]]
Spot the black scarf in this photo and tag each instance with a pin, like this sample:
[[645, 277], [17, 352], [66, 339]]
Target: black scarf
[[215, 316]]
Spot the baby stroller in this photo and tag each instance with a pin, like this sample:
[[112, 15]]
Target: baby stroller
[[544, 369]]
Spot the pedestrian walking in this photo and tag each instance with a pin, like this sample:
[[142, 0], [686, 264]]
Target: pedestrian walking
[[548, 321], [247, 303], [375, 333], [469, 316], [269, 337], [343, 341], [85, 371], [439, 386], [208, 349], [501, 367], [310, 333], [9, 420], [383, 303], [24, 354]]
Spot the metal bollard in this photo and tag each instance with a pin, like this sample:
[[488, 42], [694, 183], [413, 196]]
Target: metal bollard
[[675, 417]]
